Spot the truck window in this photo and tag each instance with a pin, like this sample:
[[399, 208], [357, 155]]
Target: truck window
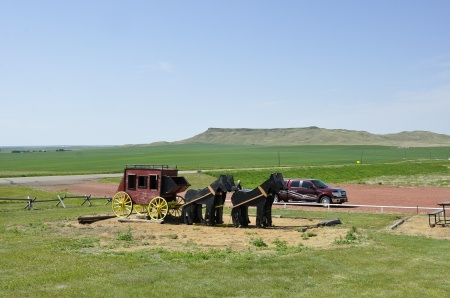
[[131, 181], [307, 184], [295, 184], [142, 181]]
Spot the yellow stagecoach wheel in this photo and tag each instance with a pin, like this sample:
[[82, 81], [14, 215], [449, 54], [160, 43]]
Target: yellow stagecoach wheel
[[176, 206], [122, 205], [140, 209], [158, 208]]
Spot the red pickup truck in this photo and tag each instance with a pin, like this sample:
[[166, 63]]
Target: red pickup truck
[[311, 190]]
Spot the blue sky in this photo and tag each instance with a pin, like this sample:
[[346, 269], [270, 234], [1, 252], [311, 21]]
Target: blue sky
[[133, 72]]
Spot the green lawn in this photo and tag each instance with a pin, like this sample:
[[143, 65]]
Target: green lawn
[[37, 260]]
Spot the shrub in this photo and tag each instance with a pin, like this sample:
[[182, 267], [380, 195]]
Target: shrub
[[280, 245], [307, 235], [126, 236], [258, 242], [350, 237]]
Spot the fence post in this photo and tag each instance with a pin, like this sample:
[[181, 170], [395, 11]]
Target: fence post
[[61, 201], [87, 198], [29, 203]]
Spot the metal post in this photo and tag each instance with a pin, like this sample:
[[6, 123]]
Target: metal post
[[279, 162]]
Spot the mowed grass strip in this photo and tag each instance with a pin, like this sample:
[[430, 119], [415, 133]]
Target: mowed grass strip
[[39, 261]]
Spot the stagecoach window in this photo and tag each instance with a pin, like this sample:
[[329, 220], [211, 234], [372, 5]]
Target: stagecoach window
[[154, 182], [131, 181], [295, 183], [142, 181]]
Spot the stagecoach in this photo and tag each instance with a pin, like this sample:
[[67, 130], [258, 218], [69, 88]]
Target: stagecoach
[[150, 189]]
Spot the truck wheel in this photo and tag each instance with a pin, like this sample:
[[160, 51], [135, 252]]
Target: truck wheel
[[325, 200]]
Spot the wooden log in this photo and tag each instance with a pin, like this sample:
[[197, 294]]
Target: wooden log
[[331, 222], [161, 221], [91, 219], [399, 222]]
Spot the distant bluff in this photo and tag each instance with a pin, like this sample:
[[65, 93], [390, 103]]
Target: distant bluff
[[316, 136]]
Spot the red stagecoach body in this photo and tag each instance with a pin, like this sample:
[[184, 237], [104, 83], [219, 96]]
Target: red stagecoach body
[[143, 183]]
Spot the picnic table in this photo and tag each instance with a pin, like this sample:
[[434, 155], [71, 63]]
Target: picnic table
[[436, 215]]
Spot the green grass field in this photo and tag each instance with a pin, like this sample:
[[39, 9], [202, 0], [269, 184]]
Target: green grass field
[[38, 260], [205, 157]]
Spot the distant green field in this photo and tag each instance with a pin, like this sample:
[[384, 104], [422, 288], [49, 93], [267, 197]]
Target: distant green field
[[205, 157]]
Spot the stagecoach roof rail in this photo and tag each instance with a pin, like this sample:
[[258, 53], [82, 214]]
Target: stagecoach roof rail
[[149, 167]]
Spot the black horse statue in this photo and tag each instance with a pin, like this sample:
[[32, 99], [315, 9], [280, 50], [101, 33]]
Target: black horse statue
[[212, 196], [220, 198], [261, 197]]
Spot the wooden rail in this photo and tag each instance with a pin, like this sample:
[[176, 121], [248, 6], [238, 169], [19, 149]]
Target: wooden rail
[[30, 201]]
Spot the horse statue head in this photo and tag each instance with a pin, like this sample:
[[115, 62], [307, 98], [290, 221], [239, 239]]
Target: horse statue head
[[225, 183], [275, 183]]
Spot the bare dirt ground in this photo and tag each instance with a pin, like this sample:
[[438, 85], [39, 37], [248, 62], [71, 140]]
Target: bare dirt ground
[[287, 230], [194, 237]]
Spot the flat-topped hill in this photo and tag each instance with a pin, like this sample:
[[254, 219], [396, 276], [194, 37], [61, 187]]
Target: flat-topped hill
[[316, 136]]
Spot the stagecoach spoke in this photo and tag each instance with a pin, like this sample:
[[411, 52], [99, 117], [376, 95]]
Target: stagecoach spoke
[[140, 209], [158, 208], [176, 206], [122, 204]]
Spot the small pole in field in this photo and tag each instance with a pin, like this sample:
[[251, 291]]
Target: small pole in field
[[199, 172], [279, 162]]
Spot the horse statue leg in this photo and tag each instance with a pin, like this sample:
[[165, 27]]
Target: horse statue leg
[[219, 208], [245, 220], [197, 213], [235, 216], [268, 211], [219, 215], [186, 214], [260, 216]]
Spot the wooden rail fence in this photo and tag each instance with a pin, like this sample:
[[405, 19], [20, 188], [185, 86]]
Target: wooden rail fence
[[60, 200]]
